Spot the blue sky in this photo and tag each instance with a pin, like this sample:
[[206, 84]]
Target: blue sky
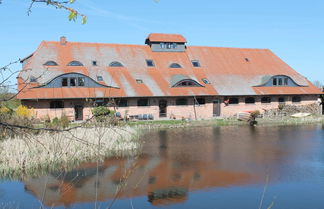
[[294, 30]]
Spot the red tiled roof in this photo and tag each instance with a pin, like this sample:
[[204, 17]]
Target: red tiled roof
[[163, 37], [227, 70]]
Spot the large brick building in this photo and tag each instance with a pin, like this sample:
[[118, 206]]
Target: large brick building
[[164, 78]]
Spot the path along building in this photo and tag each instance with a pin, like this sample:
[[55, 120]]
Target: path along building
[[164, 77]]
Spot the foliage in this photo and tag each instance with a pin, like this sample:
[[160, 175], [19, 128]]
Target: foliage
[[56, 123], [255, 114], [281, 106], [5, 110], [100, 113], [23, 112]]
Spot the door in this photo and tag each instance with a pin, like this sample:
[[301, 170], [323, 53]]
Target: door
[[216, 108], [163, 108], [78, 112]]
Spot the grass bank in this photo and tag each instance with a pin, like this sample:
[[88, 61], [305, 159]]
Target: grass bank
[[48, 151], [160, 124]]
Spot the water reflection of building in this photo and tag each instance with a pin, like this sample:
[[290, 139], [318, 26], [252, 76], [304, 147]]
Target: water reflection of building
[[176, 162], [160, 181]]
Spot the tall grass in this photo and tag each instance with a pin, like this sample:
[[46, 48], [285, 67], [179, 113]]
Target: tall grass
[[51, 151]]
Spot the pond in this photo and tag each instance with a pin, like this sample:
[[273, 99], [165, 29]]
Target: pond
[[203, 167]]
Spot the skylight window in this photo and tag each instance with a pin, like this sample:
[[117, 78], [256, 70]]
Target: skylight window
[[94, 63], [195, 63], [175, 65], [205, 80], [33, 79], [115, 64], [139, 81], [99, 78], [150, 63]]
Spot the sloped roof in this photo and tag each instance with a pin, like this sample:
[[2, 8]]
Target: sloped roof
[[163, 37], [227, 69]]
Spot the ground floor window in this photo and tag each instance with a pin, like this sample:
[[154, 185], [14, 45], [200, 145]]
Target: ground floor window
[[181, 101], [249, 100], [200, 101], [122, 103], [296, 99], [56, 104], [233, 100], [266, 100], [281, 100], [143, 102]]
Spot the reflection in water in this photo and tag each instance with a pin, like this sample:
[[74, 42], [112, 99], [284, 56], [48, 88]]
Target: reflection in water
[[174, 163]]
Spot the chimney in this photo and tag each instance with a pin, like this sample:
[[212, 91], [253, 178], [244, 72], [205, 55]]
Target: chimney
[[63, 40]]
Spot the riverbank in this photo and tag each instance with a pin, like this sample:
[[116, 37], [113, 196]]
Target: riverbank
[[34, 154], [280, 121]]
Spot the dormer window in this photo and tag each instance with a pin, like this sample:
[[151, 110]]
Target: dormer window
[[116, 64], [187, 83], [175, 65], [50, 63], [195, 63], [75, 63], [162, 45], [150, 63]]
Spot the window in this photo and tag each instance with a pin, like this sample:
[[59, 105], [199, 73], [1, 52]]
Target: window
[[122, 103], [162, 45], [75, 63], [174, 45], [150, 63], [143, 102], [281, 100], [50, 63], [205, 80], [181, 101], [249, 100], [296, 99], [115, 64], [56, 104], [81, 81], [139, 81], [274, 81], [72, 81], [33, 79], [233, 100], [265, 100], [175, 65], [286, 81], [280, 81], [200, 101], [64, 82], [94, 63], [195, 63], [99, 78], [184, 83], [169, 45]]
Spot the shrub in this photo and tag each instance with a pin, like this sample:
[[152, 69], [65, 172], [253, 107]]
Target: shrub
[[281, 106], [23, 112], [255, 114], [100, 113], [65, 121], [5, 110]]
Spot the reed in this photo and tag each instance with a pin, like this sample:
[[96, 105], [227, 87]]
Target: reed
[[50, 151]]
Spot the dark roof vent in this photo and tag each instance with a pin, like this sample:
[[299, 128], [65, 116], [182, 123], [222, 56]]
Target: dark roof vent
[[63, 40], [247, 60]]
